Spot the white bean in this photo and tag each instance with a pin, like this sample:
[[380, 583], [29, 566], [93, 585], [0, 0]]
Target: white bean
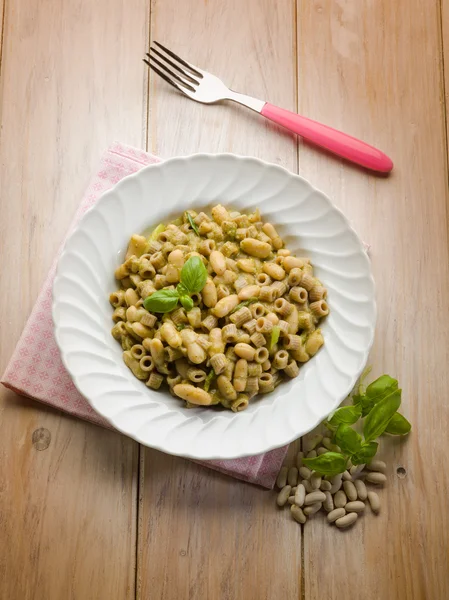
[[283, 495], [377, 465], [356, 506], [305, 472], [315, 481], [292, 476], [340, 499], [314, 497], [300, 495], [346, 521], [335, 514], [376, 478], [281, 480], [374, 502], [328, 504], [298, 514], [350, 490], [312, 509], [360, 486], [312, 442]]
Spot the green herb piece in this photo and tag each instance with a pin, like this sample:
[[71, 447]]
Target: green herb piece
[[244, 303], [181, 289], [365, 454], [186, 302], [380, 415], [330, 463], [180, 326], [162, 301], [192, 223], [346, 414], [208, 380], [274, 338], [398, 425], [194, 275], [376, 391], [348, 439], [154, 234]]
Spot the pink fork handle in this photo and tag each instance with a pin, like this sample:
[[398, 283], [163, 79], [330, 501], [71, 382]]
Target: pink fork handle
[[335, 141]]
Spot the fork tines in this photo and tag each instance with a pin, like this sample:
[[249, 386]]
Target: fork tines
[[177, 72]]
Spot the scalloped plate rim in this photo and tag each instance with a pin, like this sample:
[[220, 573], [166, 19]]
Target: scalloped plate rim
[[229, 455]]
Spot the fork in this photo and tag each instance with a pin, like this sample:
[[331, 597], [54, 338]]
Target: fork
[[204, 87]]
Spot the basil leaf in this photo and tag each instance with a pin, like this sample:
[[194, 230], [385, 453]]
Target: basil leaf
[[194, 275], [380, 415], [382, 387], [348, 439], [154, 234], [192, 223], [331, 463], [180, 326], [275, 333], [357, 399], [208, 380], [365, 454], [244, 303], [398, 425], [186, 302], [346, 414], [162, 301]]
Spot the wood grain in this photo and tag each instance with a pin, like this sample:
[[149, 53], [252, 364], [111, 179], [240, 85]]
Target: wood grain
[[71, 82], [201, 534], [386, 90]]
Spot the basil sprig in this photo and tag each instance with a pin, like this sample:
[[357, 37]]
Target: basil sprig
[[377, 406], [193, 279]]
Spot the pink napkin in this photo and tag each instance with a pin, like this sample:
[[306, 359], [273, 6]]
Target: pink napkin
[[36, 370]]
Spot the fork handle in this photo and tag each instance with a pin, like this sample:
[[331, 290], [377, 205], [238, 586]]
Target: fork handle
[[333, 140]]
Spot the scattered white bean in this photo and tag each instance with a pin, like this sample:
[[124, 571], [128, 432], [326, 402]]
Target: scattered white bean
[[312, 509], [311, 454], [347, 476], [315, 481], [315, 497], [307, 486], [335, 514], [325, 486], [377, 465], [299, 458], [356, 506], [283, 495], [291, 500], [305, 472], [300, 495], [350, 490], [340, 499], [376, 478], [292, 476], [374, 502], [328, 504], [360, 486], [298, 514], [336, 483], [321, 451], [312, 442], [281, 480], [347, 520]]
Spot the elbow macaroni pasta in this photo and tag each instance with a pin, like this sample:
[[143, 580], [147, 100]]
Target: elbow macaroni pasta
[[251, 326]]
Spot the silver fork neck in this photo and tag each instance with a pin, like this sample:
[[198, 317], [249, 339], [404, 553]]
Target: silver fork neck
[[249, 101]]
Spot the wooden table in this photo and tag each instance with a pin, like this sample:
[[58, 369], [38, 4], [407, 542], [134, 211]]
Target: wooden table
[[95, 516]]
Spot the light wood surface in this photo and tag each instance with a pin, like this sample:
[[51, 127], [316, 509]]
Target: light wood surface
[[70, 85], [91, 517]]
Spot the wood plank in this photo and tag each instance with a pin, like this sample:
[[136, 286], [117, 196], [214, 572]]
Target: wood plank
[[359, 71], [201, 534], [72, 82]]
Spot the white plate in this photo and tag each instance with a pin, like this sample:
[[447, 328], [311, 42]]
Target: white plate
[[310, 224]]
